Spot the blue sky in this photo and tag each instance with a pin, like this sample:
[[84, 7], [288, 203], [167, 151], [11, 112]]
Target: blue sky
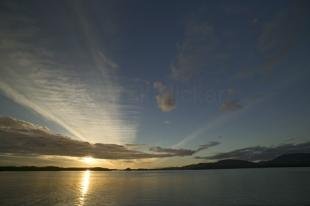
[[176, 74]]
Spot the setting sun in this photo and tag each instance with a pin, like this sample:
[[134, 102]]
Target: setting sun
[[88, 160]]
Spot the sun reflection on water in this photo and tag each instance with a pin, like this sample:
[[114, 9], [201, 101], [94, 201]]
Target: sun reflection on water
[[84, 186]]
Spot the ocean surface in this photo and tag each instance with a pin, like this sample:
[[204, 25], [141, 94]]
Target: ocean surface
[[238, 187]]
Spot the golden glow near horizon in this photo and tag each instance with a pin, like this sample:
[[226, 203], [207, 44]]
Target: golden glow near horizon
[[84, 186], [89, 160]]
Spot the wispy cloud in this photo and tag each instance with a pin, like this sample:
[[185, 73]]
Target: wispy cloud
[[281, 33], [278, 37], [77, 88], [164, 98], [192, 51], [198, 51], [259, 153]]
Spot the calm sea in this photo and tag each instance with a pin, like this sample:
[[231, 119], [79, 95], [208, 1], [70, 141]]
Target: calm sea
[[242, 187]]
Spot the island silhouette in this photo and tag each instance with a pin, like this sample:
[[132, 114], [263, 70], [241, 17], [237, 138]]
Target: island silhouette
[[286, 160]]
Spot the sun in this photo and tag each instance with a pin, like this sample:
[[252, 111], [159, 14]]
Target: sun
[[88, 160]]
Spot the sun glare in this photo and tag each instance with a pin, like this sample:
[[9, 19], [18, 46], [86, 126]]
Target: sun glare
[[88, 160]]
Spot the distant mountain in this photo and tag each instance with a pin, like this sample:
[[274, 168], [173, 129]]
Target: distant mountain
[[297, 157], [287, 160], [222, 164]]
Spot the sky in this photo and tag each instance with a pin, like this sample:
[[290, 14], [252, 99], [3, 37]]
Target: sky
[[152, 83]]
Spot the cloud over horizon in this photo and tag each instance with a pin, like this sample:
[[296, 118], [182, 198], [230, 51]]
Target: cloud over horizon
[[21, 137]]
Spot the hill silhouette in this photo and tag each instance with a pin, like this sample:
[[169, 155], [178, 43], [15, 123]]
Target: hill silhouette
[[286, 160]]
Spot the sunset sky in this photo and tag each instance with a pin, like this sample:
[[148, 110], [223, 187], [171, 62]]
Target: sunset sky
[[152, 83]]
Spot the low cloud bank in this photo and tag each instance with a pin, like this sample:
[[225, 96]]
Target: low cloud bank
[[24, 138]]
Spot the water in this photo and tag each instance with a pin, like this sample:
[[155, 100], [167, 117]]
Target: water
[[244, 187]]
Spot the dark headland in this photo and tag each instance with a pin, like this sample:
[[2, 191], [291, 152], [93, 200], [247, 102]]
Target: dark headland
[[286, 160]]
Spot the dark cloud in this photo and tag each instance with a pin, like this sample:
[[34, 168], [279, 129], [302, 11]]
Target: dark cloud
[[24, 138], [135, 145], [183, 152], [201, 158], [164, 98], [208, 145], [230, 105], [7, 123], [48, 144], [260, 153], [174, 152]]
